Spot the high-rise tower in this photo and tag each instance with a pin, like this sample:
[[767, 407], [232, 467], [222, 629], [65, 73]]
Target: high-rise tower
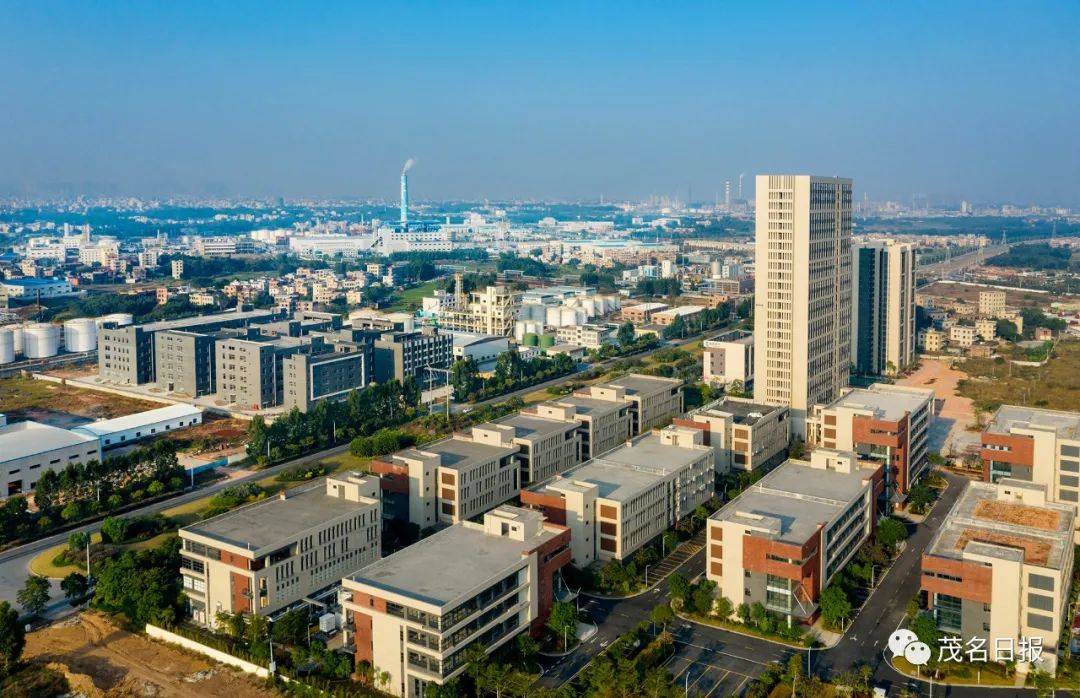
[[802, 295], [883, 306]]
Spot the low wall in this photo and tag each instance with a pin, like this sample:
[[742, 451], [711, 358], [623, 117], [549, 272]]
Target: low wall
[[217, 655]]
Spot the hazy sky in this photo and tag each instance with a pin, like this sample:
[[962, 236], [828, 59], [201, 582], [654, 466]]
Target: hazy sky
[[976, 100]]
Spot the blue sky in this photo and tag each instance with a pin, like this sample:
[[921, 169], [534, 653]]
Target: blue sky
[[558, 100]]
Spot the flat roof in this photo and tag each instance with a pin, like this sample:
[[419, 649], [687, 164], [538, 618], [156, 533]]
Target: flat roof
[[795, 499], [624, 472], [531, 426], [639, 383], [741, 411], [24, 439], [34, 281], [458, 452], [645, 306], [273, 521], [103, 427], [886, 401], [200, 320], [448, 564], [682, 310], [1064, 424], [730, 336], [588, 406], [980, 522]]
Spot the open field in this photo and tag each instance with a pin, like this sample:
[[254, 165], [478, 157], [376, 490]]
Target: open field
[[100, 659], [410, 298], [970, 294], [62, 405], [1054, 386]]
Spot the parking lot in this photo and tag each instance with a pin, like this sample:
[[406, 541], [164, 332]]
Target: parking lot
[[708, 668]]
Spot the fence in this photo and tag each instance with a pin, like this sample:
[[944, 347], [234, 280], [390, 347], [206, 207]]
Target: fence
[[215, 654]]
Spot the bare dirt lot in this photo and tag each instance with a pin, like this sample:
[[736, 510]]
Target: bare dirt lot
[[100, 659], [950, 432], [61, 405], [970, 294]]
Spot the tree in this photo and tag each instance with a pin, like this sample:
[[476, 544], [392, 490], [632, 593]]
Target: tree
[[563, 621], [890, 533], [1006, 329], [925, 629], [12, 637], [527, 647], [34, 595], [835, 606], [78, 541], [625, 335], [114, 530], [662, 615], [75, 587], [724, 607], [291, 628], [679, 586], [702, 598], [920, 498], [796, 449]]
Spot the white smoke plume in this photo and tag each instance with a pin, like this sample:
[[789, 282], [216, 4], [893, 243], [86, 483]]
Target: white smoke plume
[[408, 165]]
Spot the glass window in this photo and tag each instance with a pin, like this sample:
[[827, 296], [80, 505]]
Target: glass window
[[947, 612]]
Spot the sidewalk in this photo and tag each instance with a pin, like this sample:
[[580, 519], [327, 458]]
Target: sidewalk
[[663, 569]]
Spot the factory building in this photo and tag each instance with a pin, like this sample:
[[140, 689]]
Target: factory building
[[28, 449]]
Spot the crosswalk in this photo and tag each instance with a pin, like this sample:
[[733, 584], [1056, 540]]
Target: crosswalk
[[663, 569]]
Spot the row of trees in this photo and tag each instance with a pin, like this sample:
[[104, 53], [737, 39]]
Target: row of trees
[[82, 490], [511, 373], [363, 413]]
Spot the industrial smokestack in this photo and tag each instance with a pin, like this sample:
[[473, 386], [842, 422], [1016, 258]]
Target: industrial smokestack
[[405, 192]]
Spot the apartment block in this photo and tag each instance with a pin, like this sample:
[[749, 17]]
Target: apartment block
[[729, 357], [400, 355], [1000, 568], [654, 401], [986, 329], [602, 424], [450, 480], [884, 423], [588, 336], [311, 378], [547, 445], [1035, 445], [745, 435], [991, 303], [622, 500], [266, 557], [962, 335], [931, 340], [417, 613], [802, 299], [883, 307], [781, 541]]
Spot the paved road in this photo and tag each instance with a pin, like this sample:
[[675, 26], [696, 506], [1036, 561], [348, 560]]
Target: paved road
[[715, 662], [15, 562]]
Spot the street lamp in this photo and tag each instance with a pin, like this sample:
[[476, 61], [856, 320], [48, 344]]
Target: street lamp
[[646, 576]]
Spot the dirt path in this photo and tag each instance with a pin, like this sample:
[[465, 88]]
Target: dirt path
[[100, 659], [950, 432]]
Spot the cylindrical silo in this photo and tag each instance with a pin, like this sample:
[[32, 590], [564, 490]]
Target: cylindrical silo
[[80, 335], [41, 340], [546, 341], [568, 317], [7, 345], [554, 315], [17, 338], [530, 339], [118, 319], [519, 329], [716, 269]]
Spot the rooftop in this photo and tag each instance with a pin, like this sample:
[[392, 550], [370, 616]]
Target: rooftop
[[459, 452], [22, 439], [646, 306], [794, 500], [982, 521], [740, 336], [682, 310], [1008, 417], [449, 564], [530, 426], [742, 411], [587, 406], [202, 320], [636, 383], [103, 427], [273, 521], [887, 402], [33, 281]]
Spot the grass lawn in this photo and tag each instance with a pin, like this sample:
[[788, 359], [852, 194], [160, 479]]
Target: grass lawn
[[410, 298], [1055, 386], [347, 461], [42, 564], [991, 674]]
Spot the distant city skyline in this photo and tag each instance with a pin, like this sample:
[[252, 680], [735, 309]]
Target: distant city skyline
[[959, 102]]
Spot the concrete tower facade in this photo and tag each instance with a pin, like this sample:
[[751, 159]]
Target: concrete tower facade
[[802, 299], [883, 307]]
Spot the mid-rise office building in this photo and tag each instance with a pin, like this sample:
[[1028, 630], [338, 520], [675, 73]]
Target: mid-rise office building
[[547, 445], [745, 435], [654, 400], [1035, 445], [250, 370], [184, 362], [885, 423], [642, 313], [266, 557], [782, 540], [802, 298], [587, 336], [729, 357], [450, 480], [603, 424], [883, 307], [1000, 569], [417, 613], [311, 378], [622, 500], [400, 355]]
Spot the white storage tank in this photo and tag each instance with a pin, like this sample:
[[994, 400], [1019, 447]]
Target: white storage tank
[[17, 338], [519, 330], [7, 345], [569, 317], [80, 334], [41, 340], [716, 269], [553, 317]]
